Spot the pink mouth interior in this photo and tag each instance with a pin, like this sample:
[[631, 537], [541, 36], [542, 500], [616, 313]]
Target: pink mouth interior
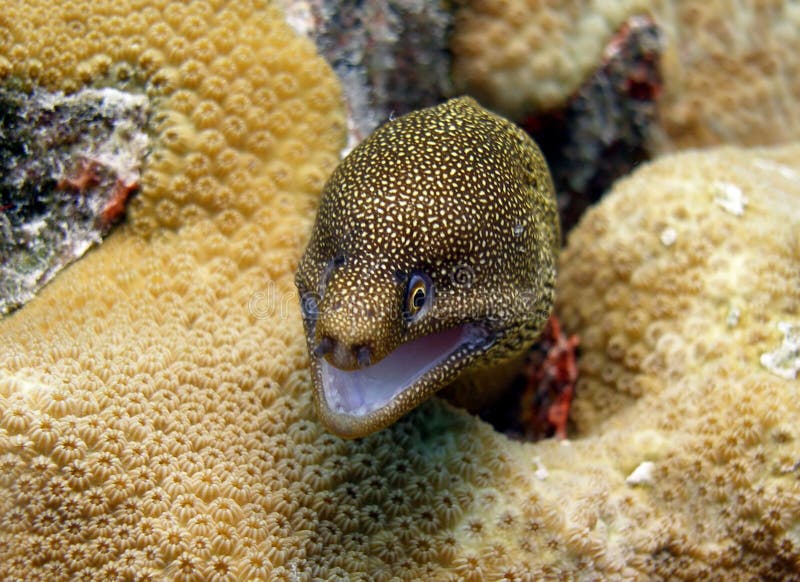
[[360, 392]]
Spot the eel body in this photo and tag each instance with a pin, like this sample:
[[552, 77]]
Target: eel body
[[432, 260]]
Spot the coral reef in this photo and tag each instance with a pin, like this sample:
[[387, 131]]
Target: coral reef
[[155, 402], [603, 130], [731, 70], [68, 165], [687, 272], [522, 57], [684, 286], [731, 73]]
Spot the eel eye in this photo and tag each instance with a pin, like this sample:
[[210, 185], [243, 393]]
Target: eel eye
[[419, 295]]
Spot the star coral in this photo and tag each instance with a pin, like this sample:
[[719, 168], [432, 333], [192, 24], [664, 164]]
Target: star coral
[[155, 412], [673, 331], [730, 69], [519, 57]]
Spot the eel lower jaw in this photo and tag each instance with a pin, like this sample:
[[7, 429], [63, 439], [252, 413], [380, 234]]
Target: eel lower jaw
[[353, 403]]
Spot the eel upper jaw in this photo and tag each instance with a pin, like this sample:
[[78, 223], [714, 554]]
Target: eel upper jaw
[[354, 403]]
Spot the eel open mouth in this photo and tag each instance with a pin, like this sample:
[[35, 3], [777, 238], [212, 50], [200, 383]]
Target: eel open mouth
[[359, 393]]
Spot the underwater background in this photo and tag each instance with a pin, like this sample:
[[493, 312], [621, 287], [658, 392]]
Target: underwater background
[[161, 166]]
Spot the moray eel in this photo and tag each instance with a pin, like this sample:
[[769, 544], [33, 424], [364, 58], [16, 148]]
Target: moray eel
[[432, 258]]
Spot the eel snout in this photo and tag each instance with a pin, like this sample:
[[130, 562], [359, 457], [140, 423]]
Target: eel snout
[[343, 356]]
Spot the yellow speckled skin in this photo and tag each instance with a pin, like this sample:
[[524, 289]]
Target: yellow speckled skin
[[454, 192]]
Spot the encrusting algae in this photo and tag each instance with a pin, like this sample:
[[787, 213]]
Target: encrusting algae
[[154, 424]]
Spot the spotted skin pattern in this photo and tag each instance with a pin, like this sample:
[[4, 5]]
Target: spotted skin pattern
[[452, 193]]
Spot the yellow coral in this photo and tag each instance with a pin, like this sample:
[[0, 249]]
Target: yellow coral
[[731, 71], [652, 312], [519, 57], [155, 413], [679, 282]]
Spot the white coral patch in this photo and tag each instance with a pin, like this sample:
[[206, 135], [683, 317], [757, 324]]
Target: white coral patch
[[780, 169], [730, 198], [734, 313], [541, 472], [785, 360], [668, 236], [642, 475], [30, 388]]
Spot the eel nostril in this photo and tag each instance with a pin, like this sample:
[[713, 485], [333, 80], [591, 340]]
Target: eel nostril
[[325, 346], [363, 356]]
